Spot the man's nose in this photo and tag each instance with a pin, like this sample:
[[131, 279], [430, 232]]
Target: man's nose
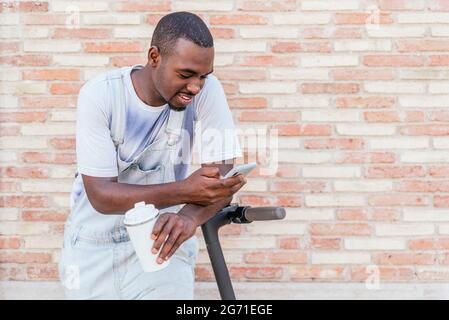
[[193, 88]]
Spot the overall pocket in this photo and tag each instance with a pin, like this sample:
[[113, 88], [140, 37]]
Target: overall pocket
[[135, 174]]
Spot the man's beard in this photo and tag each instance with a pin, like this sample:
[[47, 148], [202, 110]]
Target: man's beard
[[176, 108]]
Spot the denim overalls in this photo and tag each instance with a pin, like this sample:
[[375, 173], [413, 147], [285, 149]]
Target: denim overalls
[[98, 260]]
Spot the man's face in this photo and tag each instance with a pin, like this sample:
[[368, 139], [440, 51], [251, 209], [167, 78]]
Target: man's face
[[181, 74]]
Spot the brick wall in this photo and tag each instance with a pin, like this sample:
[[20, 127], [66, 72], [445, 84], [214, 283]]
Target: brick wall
[[357, 90]]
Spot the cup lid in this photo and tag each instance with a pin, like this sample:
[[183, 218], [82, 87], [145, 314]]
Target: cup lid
[[141, 213]]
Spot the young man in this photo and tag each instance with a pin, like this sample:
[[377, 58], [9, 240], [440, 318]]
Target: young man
[[133, 149]]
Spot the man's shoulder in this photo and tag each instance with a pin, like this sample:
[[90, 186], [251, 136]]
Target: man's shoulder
[[98, 83]]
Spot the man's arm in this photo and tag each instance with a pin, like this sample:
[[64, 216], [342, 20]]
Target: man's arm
[[179, 227], [202, 188]]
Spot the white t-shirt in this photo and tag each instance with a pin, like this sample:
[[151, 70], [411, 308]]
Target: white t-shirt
[[95, 150]]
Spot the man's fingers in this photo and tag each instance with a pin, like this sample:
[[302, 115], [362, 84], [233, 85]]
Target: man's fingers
[[162, 236], [170, 244], [158, 225], [212, 172], [175, 247]]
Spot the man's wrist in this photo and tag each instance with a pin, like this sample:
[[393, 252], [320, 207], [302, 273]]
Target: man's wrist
[[182, 191]]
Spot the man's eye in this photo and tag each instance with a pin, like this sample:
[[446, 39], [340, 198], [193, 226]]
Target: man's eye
[[183, 76]]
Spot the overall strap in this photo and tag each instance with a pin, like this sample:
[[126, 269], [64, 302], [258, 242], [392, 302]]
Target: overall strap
[[116, 94], [174, 126]]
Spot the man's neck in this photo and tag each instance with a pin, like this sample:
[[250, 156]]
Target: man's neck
[[141, 81]]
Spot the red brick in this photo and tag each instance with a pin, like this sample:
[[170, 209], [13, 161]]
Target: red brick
[[44, 215], [65, 88], [385, 215], [43, 272], [363, 18], [339, 229], [247, 103], [52, 74], [204, 273], [26, 60], [9, 242], [395, 172], [265, 116], [352, 214], [404, 258], [282, 257], [429, 244], [365, 102], [10, 131], [314, 273], [273, 5], [24, 172], [24, 257], [426, 130], [397, 200], [241, 273], [381, 116], [267, 60], [63, 143], [439, 116], [222, 33], [293, 186], [393, 61], [439, 171], [50, 19], [400, 5], [366, 157], [23, 117], [142, 6], [237, 19], [439, 5], [304, 130], [81, 33], [329, 88], [39, 157], [288, 201], [421, 45], [439, 60], [23, 202], [9, 47], [124, 61], [23, 6], [294, 46], [235, 74], [347, 33], [325, 243], [362, 74], [12, 272], [384, 273], [289, 243], [9, 187], [441, 201], [423, 186], [47, 102], [339, 144], [107, 47]]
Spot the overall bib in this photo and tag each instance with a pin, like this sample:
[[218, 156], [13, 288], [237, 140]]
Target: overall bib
[[98, 260]]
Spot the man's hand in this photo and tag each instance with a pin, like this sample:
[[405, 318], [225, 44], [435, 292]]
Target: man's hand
[[206, 188], [177, 227]]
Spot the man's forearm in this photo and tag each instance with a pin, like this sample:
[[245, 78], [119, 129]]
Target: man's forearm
[[116, 198], [201, 214]]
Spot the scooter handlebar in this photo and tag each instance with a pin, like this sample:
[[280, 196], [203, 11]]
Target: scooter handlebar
[[264, 213]]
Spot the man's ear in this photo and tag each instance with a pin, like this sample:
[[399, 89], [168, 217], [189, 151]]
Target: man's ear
[[154, 56]]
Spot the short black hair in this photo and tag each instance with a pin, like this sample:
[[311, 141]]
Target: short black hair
[[177, 25]]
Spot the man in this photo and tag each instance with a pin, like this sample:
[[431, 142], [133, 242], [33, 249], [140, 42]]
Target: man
[[133, 149]]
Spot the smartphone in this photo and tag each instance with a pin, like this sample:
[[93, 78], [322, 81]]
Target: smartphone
[[241, 169]]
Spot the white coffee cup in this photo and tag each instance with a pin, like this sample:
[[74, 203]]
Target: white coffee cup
[[139, 222]]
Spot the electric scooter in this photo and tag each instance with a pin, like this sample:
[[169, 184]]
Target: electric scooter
[[231, 214]]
